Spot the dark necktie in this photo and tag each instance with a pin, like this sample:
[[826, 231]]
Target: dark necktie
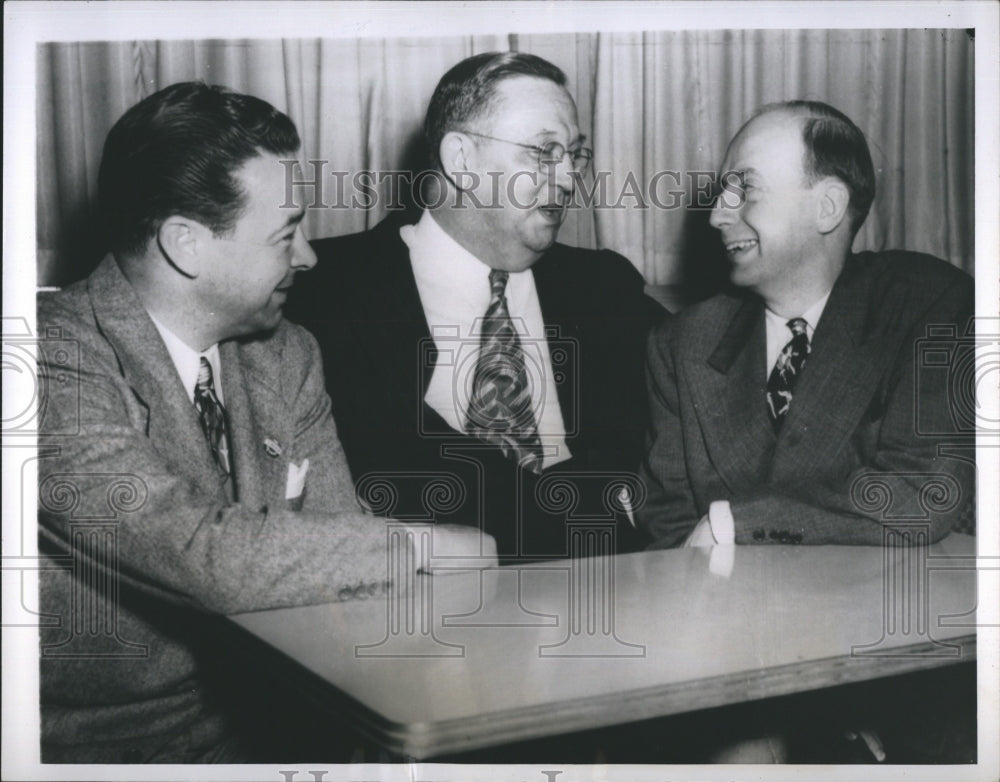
[[212, 415], [786, 372], [500, 405]]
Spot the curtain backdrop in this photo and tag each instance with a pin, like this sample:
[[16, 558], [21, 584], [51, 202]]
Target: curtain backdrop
[[659, 107]]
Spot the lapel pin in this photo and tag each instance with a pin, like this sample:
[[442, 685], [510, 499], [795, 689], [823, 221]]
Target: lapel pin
[[272, 447]]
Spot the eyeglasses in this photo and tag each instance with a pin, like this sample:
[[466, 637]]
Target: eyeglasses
[[552, 153]]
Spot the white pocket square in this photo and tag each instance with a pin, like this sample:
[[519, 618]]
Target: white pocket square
[[296, 483]]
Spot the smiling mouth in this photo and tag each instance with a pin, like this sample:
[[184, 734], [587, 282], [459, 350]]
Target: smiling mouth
[[743, 244]]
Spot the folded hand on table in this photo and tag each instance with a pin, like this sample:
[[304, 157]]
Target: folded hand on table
[[452, 547]]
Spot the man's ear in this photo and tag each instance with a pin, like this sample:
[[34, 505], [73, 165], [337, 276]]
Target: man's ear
[[456, 154], [182, 242], [832, 206]]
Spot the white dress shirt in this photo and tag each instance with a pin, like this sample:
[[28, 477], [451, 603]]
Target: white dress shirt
[[187, 361], [454, 290]]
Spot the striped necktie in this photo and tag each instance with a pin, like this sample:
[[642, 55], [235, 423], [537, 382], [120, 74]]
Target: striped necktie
[[786, 371], [500, 410], [212, 416]]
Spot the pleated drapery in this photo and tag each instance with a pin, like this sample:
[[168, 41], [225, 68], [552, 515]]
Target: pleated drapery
[[659, 107]]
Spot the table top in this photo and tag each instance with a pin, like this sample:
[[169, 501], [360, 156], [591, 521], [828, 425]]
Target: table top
[[472, 659]]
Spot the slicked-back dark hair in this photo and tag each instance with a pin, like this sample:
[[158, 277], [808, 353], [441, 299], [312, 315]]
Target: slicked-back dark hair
[[177, 153], [834, 146], [467, 92]]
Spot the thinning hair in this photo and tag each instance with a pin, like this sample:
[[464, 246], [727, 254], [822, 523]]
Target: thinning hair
[[834, 146], [468, 92], [177, 152]]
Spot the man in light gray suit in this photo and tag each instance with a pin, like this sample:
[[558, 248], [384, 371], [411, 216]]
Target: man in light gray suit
[[194, 430]]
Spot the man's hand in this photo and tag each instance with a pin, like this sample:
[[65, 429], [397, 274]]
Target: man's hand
[[444, 547]]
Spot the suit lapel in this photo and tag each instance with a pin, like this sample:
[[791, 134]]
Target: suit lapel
[[251, 406], [561, 305], [841, 376], [401, 339], [148, 369], [729, 392]]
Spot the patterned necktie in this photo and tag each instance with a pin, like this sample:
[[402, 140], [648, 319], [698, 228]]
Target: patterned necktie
[[786, 372], [212, 415], [500, 404]]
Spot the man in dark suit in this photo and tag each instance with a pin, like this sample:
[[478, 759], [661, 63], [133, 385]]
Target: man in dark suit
[[190, 462], [480, 372], [797, 408]]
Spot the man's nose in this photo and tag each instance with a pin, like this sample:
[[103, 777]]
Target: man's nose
[[724, 210], [303, 257], [563, 175]]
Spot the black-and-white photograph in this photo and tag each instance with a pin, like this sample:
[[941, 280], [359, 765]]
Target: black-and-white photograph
[[530, 391]]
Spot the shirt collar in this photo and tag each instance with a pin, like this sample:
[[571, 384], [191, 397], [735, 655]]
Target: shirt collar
[[187, 360], [437, 256], [811, 315]]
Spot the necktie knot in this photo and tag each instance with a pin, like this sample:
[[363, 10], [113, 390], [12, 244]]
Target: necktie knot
[[205, 381], [797, 326]]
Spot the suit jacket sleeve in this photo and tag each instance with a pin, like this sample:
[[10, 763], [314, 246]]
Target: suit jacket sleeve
[[669, 513], [174, 539], [909, 475]]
